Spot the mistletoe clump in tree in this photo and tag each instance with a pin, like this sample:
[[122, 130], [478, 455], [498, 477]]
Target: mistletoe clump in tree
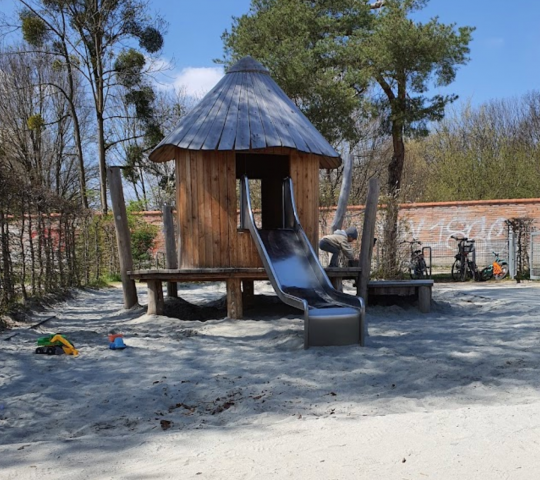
[[90, 37]]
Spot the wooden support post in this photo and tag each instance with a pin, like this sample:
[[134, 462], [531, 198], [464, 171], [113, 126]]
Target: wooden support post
[[368, 234], [155, 298], [170, 248], [234, 298], [337, 283], [424, 299], [123, 239], [248, 293], [344, 193]]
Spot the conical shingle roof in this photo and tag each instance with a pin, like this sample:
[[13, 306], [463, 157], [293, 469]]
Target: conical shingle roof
[[246, 110]]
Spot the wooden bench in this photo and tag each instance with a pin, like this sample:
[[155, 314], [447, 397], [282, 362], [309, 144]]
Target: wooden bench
[[419, 289]]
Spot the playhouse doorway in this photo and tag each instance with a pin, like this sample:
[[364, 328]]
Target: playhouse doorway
[[268, 171]]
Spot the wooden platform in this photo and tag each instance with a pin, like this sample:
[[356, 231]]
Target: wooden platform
[[239, 282], [240, 288], [418, 289], [199, 274]]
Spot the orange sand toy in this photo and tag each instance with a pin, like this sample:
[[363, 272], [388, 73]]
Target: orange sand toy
[[112, 336]]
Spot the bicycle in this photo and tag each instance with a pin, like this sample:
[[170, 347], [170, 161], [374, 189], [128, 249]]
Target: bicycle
[[497, 270], [464, 268], [417, 264]]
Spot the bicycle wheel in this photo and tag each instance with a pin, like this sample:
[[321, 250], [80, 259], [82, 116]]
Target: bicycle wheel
[[413, 269], [421, 269], [418, 270], [472, 271], [458, 271], [486, 274], [504, 271]]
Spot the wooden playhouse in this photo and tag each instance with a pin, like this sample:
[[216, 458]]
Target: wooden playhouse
[[245, 125]]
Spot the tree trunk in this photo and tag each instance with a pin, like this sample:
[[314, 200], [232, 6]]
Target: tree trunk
[[395, 171], [395, 168], [76, 125], [102, 163]]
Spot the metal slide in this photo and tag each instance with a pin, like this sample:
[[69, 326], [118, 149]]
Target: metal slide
[[330, 317]]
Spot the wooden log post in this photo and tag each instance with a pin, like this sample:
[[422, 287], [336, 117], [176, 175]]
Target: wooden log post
[[155, 298], [248, 293], [344, 193], [123, 239], [170, 248], [234, 298], [424, 299], [368, 234], [337, 283]]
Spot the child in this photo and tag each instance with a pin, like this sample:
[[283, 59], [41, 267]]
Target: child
[[339, 241]]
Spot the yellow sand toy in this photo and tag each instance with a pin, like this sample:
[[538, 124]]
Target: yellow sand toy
[[55, 345]]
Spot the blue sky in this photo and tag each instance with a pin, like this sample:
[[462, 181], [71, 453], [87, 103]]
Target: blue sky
[[505, 52]]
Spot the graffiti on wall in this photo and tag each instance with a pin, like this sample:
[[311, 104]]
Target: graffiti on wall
[[482, 229]]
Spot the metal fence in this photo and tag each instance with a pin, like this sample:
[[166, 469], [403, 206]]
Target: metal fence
[[535, 256], [443, 254]]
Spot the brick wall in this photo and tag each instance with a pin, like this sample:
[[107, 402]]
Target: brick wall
[[435, 223], [484, 221]]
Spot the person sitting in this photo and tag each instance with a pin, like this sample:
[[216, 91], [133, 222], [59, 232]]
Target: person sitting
[[339, 242]]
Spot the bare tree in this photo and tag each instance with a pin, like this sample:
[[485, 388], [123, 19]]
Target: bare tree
[[37, 129], [89, 36]]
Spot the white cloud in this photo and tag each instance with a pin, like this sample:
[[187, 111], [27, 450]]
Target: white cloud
[[197, 81]]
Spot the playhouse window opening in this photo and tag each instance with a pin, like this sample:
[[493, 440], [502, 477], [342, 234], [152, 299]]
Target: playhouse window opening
[[265, 173]]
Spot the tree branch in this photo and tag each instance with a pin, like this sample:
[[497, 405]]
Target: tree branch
[[386, 87], [376, 5]]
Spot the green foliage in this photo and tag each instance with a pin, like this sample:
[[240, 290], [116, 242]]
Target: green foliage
[[134, 155], [142, 101], [112, 277], [34, 29], [143, 234], [57, 65], [134, 159], [104, 281], [326, 54], [129, 66], [142, 240], [153, 134], [151, 40], [405, 58], [304, 45], [132, 207], [484, 153], [36, 123]]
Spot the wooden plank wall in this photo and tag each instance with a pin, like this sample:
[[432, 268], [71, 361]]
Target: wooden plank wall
[[305, 178], [207, 208]]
